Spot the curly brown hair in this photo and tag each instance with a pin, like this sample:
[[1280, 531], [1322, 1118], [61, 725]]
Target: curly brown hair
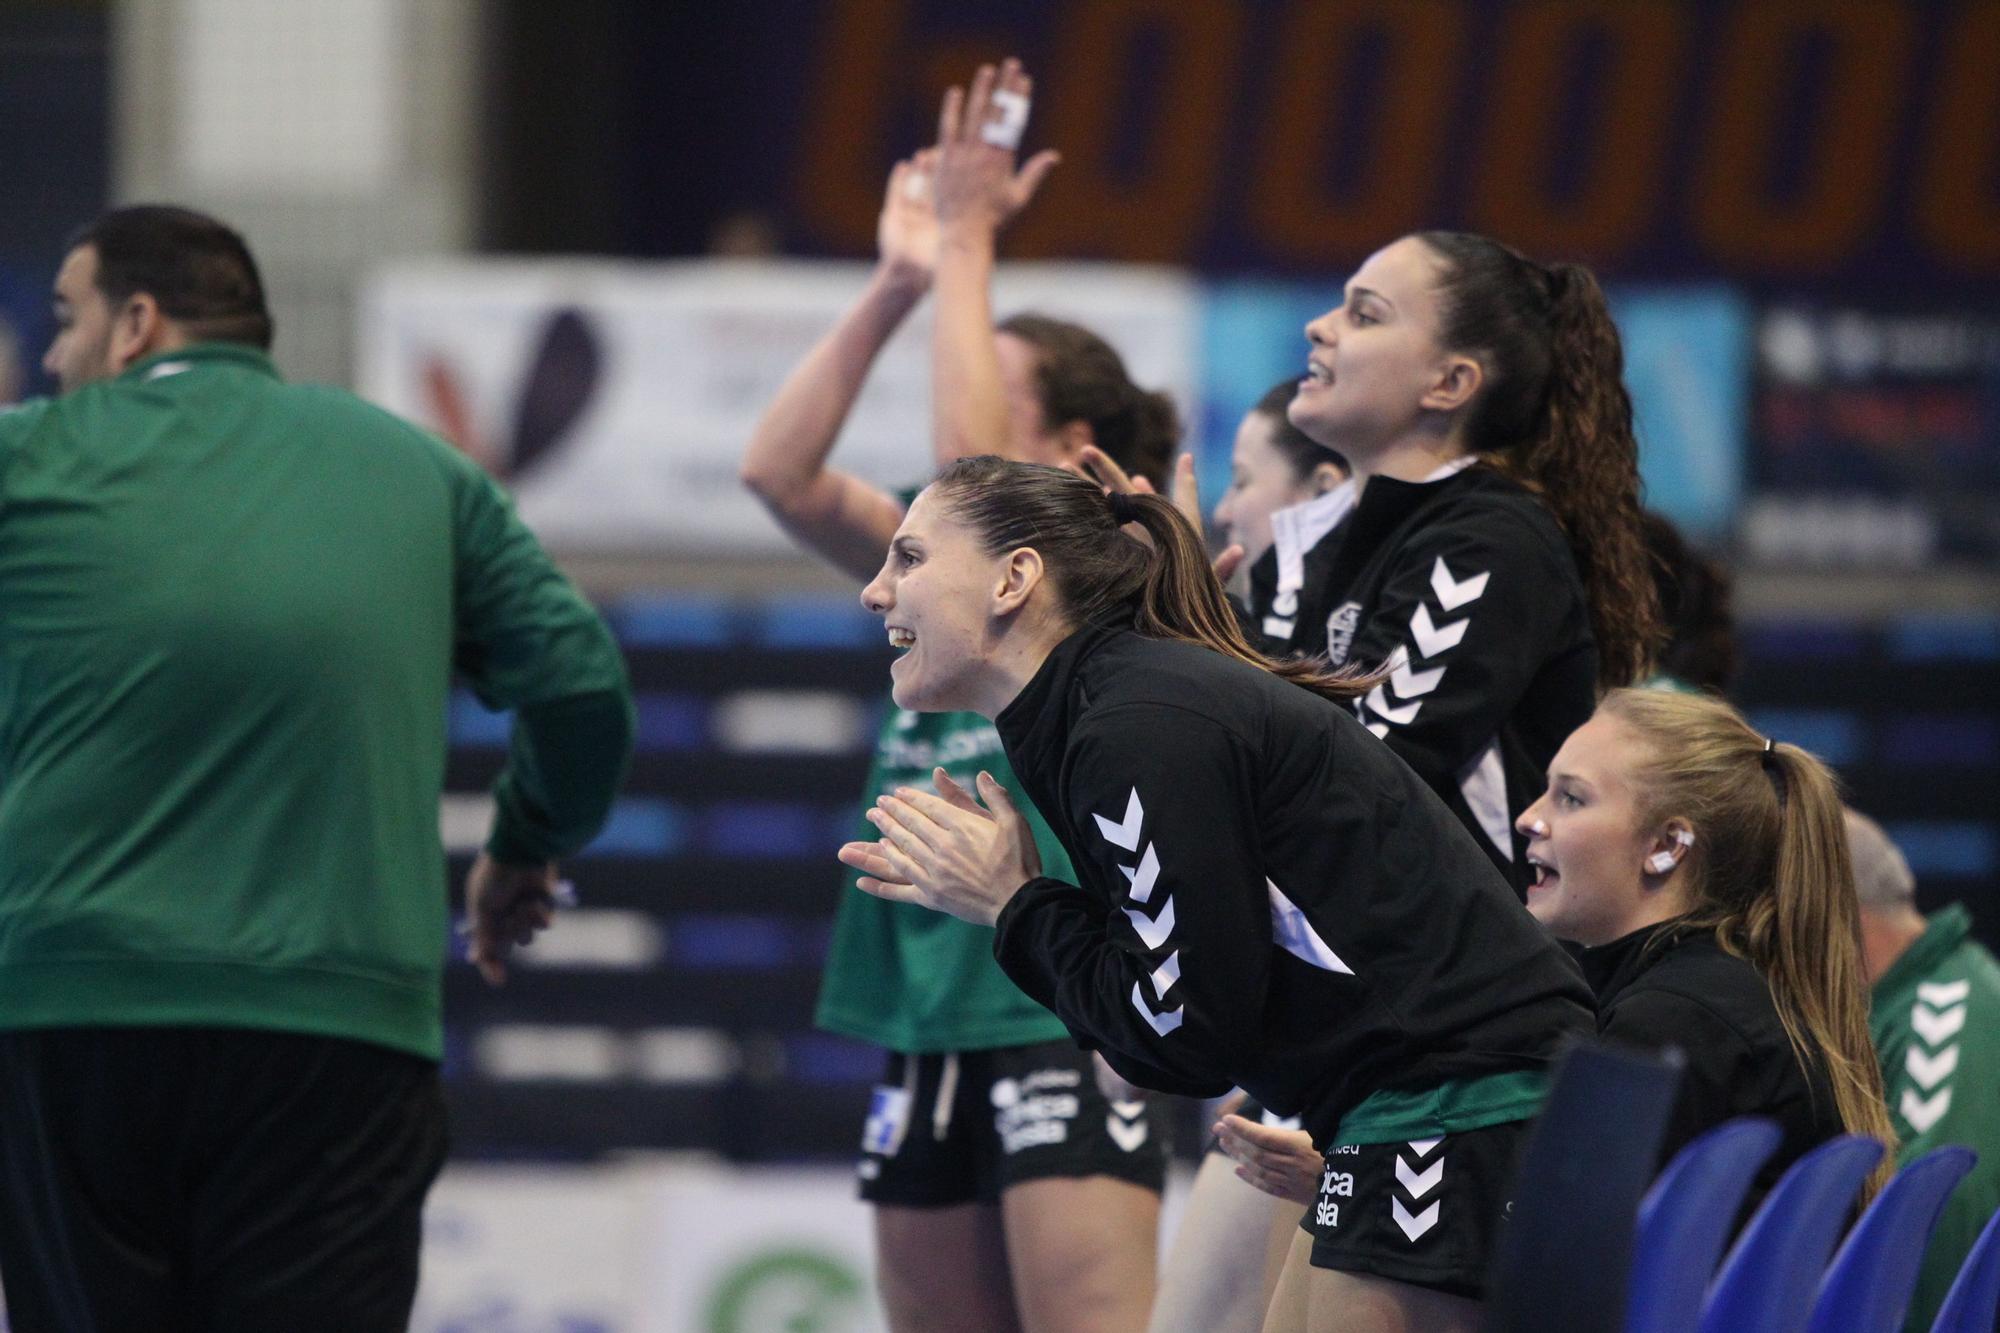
[[1553, 414]]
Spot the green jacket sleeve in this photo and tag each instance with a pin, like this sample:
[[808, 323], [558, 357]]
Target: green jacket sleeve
[[527, 640]]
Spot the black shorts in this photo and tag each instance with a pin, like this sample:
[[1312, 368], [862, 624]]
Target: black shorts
[[1426, 1213], [180, 1179], [961, 1128]]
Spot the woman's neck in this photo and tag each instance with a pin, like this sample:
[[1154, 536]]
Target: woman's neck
[[1017, 653], [1410, 458]]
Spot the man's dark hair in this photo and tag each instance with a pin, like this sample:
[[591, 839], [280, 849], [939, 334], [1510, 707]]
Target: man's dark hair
[[197, 270]]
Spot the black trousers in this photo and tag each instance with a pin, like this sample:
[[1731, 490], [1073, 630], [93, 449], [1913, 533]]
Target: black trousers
[[170, 1179]]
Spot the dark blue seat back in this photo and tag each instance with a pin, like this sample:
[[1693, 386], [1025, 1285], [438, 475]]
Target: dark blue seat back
[[1867, 1286], [1684, 1221], [1768, 1280], [1973, 1303]]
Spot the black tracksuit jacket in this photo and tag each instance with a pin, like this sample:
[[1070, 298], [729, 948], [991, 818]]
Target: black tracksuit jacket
[[1468, 585], [1269, 897], [1662, 986]]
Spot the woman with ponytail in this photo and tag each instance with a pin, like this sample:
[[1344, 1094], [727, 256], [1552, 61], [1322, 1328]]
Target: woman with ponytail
[[1493, 558], [1705, 870], [1265, 897], [992, 1213]]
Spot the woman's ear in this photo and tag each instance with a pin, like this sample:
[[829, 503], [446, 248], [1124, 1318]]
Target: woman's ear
[[1326, 477], [1670, 847], [1019, 577], [1458, 380]]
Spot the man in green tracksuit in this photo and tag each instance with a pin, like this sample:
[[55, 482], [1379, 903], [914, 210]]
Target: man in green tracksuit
[[1935, 1016], [230, 609]]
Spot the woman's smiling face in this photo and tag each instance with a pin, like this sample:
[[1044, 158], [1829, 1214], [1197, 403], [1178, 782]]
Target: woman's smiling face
[[935, 593]]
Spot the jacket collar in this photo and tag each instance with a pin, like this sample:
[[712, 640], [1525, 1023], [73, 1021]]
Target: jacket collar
[[1946, 931], [1037, 722], [161, 365], [1610, 968]]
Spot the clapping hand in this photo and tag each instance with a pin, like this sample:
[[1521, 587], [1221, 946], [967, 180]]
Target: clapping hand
[[1280, 1162], [948, 852]]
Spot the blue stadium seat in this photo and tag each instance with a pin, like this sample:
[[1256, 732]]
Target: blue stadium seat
[[1867, 1287], [1973, 1303], [1684, 1221], [1767, 1283], [1561, 1259]]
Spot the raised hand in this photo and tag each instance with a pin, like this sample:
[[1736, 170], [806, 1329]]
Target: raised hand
[[976, 185], [906, 235], [1105, 471]]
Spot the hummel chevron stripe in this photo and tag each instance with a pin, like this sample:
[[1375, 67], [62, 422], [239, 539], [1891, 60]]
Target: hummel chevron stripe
[[1937, 1027], [1433, 639], [1923, 1112], [1153, 930], [1416, 1226], [1453, 594], [1378, 700], [1143, 878], [1124, 835], [1419, 1183], [1943, 993], [1161, 1024], [1931, 1070]]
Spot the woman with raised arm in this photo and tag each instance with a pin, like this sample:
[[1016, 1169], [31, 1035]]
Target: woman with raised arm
[[1007, 1192], [1265, 897], [1705, 871]]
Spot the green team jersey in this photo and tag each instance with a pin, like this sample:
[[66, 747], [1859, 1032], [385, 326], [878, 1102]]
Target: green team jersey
[[915, 980], [229, 613], [1935, 1016]]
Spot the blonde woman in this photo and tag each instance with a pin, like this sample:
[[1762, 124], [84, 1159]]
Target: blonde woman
[[1705, 870]]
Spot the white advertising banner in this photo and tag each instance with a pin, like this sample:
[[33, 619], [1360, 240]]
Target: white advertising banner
[[617, 397], [646, 1249]]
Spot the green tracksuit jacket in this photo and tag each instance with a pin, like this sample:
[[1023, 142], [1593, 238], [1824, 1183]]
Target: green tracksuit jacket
[[230, 609], [1935, 1015]]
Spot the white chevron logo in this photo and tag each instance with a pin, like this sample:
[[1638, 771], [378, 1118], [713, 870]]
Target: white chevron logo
[[1431, 639], [1378, 700], [1413, 1227], [1419, 1183], [1161, 1024], [1931, 1070], [1380, 730], [1166, 974], [1452, 595], [1408, 683], [1936, 1028], [1424, 1147], [1127, 1134], [1142, 879], [1923, 1112], [1944, 993], [1124, 835], [1153, 931]]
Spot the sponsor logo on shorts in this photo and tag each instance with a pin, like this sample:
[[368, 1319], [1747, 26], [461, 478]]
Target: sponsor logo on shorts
[[888, 1117], [1332, 1184], [1030, 1112]]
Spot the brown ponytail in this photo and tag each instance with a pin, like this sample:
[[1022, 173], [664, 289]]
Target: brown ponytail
[[1081, 377], [1554, 414], [1772, 876], [1098, 571]]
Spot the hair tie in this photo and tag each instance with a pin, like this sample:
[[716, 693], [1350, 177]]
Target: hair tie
[[1124, 508], [1773, 769]]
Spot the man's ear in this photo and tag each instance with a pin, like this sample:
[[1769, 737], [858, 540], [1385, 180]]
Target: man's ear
[[1326, 477], [1019, 578], [1457, 380], [138, 329]]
